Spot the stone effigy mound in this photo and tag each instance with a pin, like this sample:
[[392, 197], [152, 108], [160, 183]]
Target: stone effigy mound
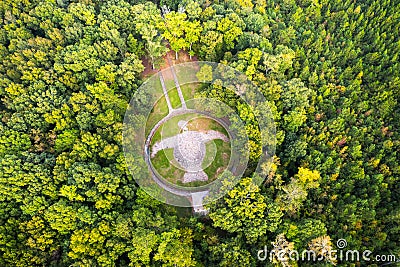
[[189, 151]]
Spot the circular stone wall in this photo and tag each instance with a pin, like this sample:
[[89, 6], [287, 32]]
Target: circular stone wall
[[138, 136], [190, 150]]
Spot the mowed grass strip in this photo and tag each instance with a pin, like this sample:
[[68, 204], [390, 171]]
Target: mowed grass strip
[[174, 98]]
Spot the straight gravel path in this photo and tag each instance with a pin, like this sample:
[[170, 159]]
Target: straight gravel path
[[178, 87], [170, 109]]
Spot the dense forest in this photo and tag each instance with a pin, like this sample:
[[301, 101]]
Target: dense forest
[[331, 74]]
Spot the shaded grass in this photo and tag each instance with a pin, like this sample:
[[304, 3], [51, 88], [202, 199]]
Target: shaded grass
[[186, 74], [165, 168], [189, 91], [159, 111], [221, 160], [202, 123]]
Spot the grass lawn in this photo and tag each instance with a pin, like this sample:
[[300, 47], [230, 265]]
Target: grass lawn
[[174, 98], [202, 123], [189, 90], [216, 159], [186, 74], [160, 109], [170, 127], [162, 163], [218, 152], [221, 160]]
